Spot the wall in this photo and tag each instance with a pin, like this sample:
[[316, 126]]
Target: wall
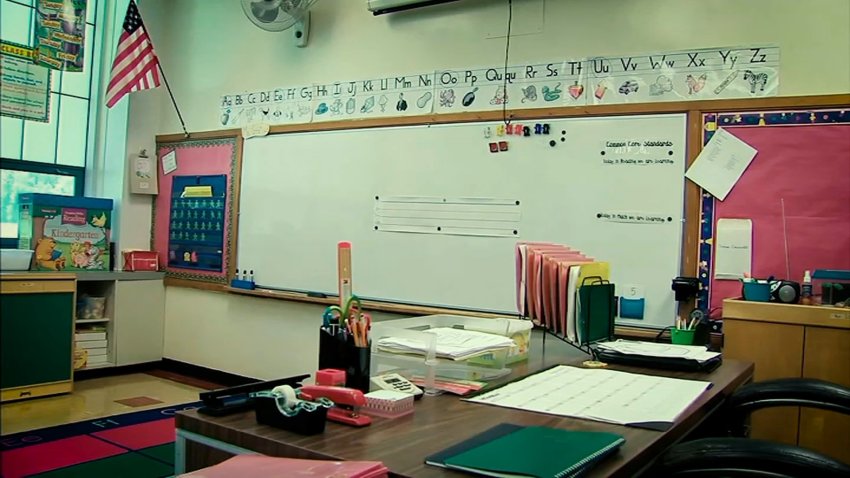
[[208, 48]]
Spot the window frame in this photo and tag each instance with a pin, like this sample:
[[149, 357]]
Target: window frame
[[77, 172]]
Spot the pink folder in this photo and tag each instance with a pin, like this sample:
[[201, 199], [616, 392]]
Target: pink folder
[[268, 466]]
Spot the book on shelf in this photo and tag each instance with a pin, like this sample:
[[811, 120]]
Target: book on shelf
[[89, 336], [92, 344]]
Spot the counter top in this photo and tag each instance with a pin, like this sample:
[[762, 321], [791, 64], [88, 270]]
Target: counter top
[[84, 276], [819, 315]]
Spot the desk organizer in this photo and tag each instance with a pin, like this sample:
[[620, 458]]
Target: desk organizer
[[304, 417]]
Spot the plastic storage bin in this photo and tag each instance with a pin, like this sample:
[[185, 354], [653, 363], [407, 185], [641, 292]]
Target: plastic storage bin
[[483, 367], [15, 259]]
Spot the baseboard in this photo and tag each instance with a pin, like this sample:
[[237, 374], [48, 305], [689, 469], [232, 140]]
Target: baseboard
[[190, 370], [212, 375], [118, 370]]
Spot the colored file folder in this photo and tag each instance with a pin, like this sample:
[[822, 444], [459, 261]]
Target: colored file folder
[[542, 452]]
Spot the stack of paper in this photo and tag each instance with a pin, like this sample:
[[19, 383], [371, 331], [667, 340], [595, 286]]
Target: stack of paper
[[651, 349], [455, 344]]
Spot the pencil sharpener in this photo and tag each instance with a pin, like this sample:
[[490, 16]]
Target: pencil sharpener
[[685, 288]]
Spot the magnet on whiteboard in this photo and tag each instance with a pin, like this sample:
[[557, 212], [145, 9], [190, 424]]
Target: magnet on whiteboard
[[503, 145], [494, 147]]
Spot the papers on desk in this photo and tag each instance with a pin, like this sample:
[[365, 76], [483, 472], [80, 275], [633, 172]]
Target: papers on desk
[[455, 344], [599, 394], [651, 349]]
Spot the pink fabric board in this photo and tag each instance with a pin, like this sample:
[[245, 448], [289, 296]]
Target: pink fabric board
[[809, 167], [201, 157]]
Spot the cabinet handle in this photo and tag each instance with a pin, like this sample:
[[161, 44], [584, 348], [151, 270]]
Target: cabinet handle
[[25, 393]]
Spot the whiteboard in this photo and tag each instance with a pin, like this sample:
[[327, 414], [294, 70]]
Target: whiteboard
[[612, 187]]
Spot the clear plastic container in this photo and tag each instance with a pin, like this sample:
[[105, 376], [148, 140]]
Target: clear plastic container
[[487, 366]]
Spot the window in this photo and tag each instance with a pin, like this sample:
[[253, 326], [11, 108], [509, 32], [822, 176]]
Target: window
[[50, 157], [18, 177]]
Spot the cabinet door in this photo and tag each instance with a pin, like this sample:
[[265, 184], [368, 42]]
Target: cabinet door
[[827, 358], [35, 338], [777, 352], [139, 321]]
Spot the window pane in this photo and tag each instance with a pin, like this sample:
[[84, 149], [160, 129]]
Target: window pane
[[15, 22], [10, 137], [77, 83], [40, 138], [17, 182], [73, 121]]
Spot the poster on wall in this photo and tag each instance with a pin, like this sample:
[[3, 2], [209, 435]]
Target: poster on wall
[[285, 105], [60, 29], [524, 86], [703, 74], [402, 95], [24, 86]]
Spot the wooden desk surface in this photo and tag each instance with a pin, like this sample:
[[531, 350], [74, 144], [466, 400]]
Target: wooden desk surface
[[438, 422]]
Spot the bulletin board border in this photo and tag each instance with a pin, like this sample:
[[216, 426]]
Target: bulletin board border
[[205, 140], [694, 110], [711, 121]]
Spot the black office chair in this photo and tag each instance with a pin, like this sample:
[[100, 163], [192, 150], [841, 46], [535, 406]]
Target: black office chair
[[734, 455]]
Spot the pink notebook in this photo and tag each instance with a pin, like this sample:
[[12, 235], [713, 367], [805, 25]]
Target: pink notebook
[[272, 467]]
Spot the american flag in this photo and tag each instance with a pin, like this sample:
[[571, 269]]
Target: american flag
[[136, 66]]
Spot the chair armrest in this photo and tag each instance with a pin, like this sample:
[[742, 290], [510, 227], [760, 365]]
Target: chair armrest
[[711, 457]]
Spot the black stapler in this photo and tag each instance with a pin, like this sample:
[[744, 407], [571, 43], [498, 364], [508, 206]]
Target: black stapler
[[225, 401]]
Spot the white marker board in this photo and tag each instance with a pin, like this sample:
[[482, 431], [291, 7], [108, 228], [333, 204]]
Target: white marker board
[[612, 187]]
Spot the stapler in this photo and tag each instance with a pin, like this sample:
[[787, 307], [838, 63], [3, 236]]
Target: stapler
[[346, 403]]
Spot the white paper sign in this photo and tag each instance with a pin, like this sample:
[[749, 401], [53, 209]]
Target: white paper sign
[[169, 162], [524, 86], [733, 248], [402, 95], [284, 105], [700, 74], [721, 163]]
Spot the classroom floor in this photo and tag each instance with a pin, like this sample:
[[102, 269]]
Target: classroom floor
[[96, 398]]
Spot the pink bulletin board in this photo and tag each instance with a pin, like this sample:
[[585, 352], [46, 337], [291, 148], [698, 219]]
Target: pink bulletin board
[[804, 159], [202, 158]]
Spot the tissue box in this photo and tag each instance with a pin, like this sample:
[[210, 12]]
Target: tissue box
[[135, 261]]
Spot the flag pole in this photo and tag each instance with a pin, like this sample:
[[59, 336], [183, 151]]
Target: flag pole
[[179, 116]]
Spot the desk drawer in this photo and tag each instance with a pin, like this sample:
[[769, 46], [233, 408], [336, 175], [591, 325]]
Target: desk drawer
[[21, 287]]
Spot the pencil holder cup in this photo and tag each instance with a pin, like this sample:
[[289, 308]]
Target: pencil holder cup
[[333, 349], [358, 366], [757, 291], [682, 336]]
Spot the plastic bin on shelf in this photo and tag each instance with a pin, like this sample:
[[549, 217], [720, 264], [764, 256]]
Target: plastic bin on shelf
[[487, 366]]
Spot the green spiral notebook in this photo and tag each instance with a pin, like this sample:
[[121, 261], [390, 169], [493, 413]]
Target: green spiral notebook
[[538, 452]]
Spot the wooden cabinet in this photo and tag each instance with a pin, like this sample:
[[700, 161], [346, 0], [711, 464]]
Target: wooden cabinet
[[36, 334], [786, 341]]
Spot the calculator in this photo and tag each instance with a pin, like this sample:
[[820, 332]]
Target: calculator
[[394, 381]]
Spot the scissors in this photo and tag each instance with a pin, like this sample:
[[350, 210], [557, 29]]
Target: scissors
[[331, 318]]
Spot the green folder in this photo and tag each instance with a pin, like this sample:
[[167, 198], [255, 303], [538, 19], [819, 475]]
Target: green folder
[[596, 312], [539, 452]]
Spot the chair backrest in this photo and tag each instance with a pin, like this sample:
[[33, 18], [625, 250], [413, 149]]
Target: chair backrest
[[744, 457]]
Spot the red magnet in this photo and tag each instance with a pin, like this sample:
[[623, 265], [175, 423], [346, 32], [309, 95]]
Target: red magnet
[[503, 145]]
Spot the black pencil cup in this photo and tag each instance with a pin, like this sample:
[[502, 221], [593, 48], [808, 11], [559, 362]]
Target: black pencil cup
[[304, 422], [357, 368], [333, 349]]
